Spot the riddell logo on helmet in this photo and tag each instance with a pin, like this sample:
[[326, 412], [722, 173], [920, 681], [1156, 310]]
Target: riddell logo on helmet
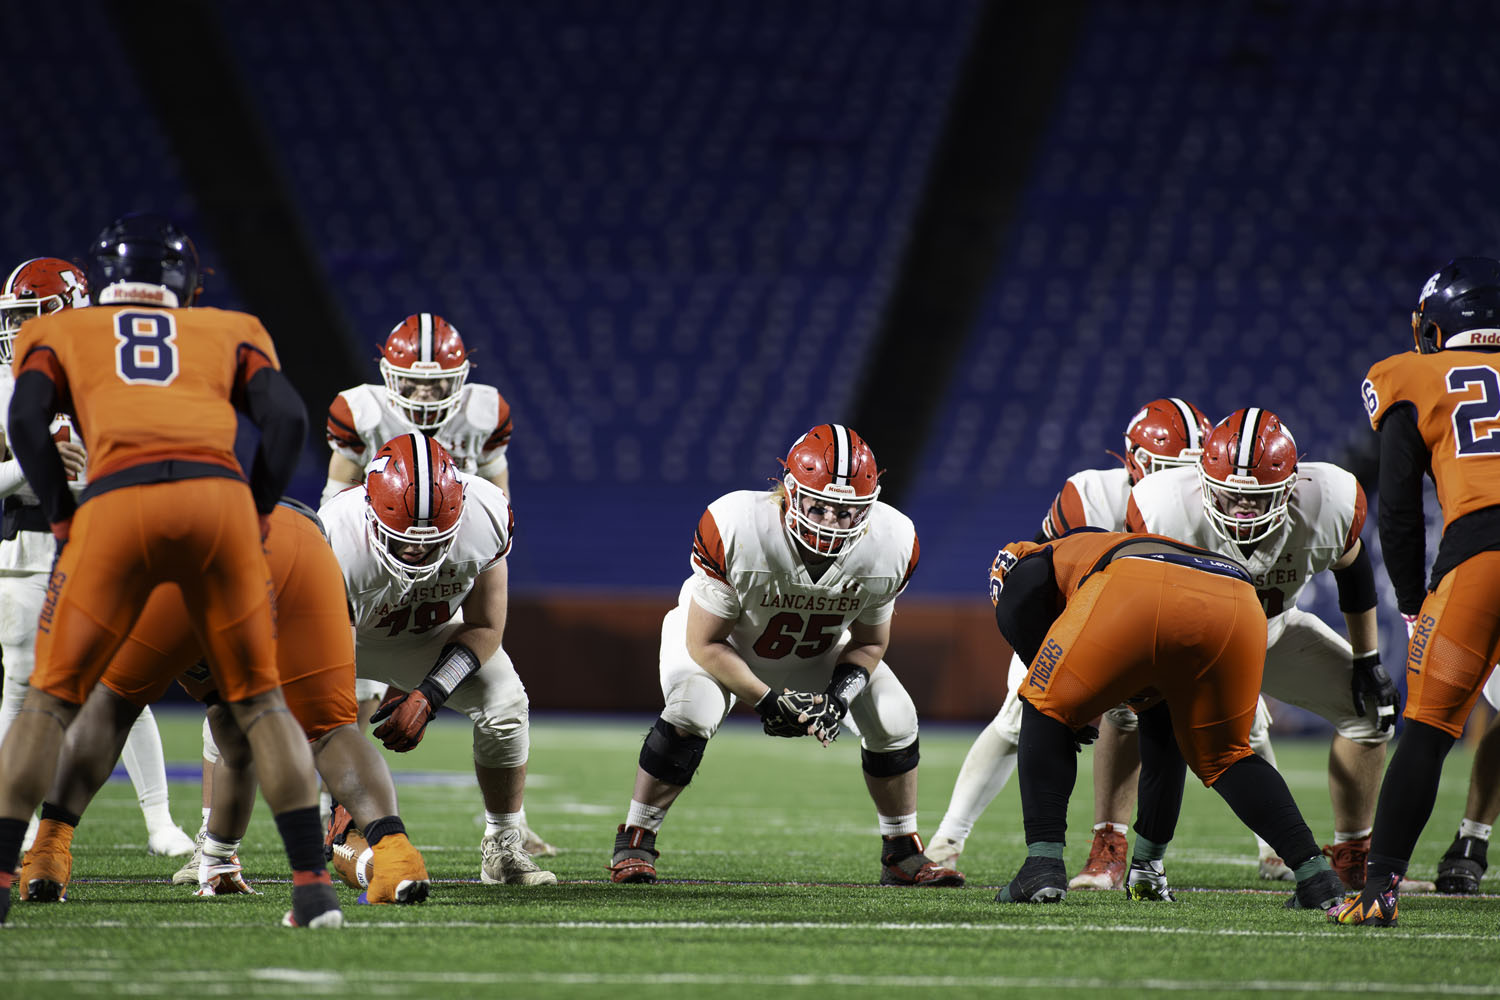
[[1475, 338]]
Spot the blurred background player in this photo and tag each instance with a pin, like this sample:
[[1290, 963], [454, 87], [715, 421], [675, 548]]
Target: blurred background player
[[315, 659], [1164, 434], [1251, 500], [422, 548], [37, 287], [1107, 616], [791, 593], [154, 386], [1434, 410], [425, 368]]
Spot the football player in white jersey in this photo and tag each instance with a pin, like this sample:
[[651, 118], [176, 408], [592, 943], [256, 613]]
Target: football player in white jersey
[[791, 594], [1284, 521], [425, 370], [38, 286], [1164, 434], [422, 547]]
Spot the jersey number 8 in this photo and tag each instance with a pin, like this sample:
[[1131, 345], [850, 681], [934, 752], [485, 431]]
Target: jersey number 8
[[146, 348]]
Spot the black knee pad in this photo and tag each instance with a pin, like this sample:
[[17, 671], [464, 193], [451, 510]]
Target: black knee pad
[[891, 762], [670, 757]]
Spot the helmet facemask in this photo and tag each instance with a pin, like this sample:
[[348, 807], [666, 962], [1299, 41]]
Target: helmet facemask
[[1242, 509], [439, 387], [386, 541], [813, 528]]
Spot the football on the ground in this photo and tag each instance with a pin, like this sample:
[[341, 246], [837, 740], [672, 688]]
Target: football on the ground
[[353, 860]]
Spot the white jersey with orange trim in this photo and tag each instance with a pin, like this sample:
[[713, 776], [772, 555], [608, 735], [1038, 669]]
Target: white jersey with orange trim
[[1324, 519], [1096, 498], [29, 552], [748, 570], [476, 433], [387, 608]]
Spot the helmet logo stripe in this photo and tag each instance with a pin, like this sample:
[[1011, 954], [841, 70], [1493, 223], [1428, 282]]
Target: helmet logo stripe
[[424, 337], [422, 476], [1194, 432], [842, 454], [1249, 432]]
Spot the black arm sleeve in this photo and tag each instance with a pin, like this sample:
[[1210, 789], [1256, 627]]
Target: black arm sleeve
[[1356, 584], [1029, 603], [274, 406], [30, 434], [1404, 459]]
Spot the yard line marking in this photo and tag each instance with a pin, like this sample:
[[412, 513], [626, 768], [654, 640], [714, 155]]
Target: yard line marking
[[353, 923], [324, 981]]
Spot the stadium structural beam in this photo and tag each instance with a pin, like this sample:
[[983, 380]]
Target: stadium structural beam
[[1015, 66]]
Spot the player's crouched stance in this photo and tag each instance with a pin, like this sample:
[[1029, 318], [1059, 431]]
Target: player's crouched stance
[[1106, 617], [422, 548], [791, 593]]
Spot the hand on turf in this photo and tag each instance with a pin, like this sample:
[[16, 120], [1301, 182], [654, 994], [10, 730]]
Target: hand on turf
[[403, 719]]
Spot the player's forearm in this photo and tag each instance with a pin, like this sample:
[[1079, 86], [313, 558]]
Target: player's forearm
[[726, 666], [482, 639], [30, 433], [1364, 630], [274, 407]]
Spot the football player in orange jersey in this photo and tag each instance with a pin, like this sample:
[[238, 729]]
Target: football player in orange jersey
[[154, 386], [1104, 617], [38, 286], [315, 659], [1436, 410]]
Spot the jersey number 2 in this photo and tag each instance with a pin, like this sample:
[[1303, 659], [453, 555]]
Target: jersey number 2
[[1468, 415], [145, 348]]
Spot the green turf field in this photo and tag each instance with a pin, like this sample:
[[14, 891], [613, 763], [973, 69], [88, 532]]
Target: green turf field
[[768, 866]]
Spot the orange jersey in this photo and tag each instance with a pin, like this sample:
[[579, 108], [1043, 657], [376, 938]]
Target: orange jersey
[[1075, 556], [145, 384], [1456, 396]]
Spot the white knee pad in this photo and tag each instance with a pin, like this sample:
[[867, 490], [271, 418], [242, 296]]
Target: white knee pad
[[885, 713], [1123, 718], [502, 742]]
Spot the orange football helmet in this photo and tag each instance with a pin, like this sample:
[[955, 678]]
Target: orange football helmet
[[424, 365], [1248, 471], [1165, 433], [38, 286], [413, 505], [832, 466]]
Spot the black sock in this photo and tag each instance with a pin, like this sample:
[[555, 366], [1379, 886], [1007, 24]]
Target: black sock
[[302, 834], [1048, 768], [12, 832], [58, 813], [382, 828], [1163, 776], [1257, 793], [1406, 796]]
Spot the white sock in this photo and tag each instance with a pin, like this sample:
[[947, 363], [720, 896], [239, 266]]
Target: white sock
[[646, 817], [1479, 831], [147, 768], [1344, 836], [216, 853], [500, 822], [897, 826], [987, 767], [203, 826], [1119, 828]]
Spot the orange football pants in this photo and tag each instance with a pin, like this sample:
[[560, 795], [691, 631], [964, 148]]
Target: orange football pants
[[200, 534], [1197, 638], [314, 650], [1454, 643]]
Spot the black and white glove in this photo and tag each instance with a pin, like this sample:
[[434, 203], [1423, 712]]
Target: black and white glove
[[779, 712], [1370, 679], [848, 681]]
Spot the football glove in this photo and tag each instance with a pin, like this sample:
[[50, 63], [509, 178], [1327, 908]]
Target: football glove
[[848, 681], [1083, 737], [779, 712], [403, 719], [1371, 679]]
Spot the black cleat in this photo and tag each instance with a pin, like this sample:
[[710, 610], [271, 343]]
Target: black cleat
[[1322, 891], [1040, 880], [1462, 866]]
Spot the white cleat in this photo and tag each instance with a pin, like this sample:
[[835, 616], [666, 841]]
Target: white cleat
[[503, 862], [169, 841], [944, 851], [188, 873]]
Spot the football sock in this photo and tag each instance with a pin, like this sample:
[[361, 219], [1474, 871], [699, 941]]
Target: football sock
[[1345, 836], [59, 814], [1479, 831], [495, 823], [303, 838], [1147, 850], [1407, 794], [11, 832], [1311, 867], [646, 817], [987, 767], [1048, 771], [1257, 793], [1119, 828], [143, 760], [382, 828], [897, 826], [1044, 849], [1163, 777]]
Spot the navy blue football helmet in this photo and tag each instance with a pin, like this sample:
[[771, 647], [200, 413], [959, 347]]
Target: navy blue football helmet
[[143, 258], [1459, 307]]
